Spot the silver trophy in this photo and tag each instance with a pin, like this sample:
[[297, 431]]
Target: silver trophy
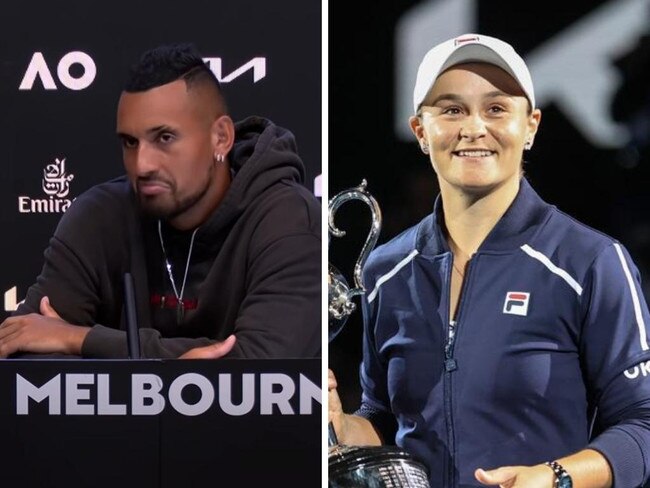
[[340, 294], [362, 466]]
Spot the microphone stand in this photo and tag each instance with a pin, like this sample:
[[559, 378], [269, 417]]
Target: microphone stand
[[132, 335]]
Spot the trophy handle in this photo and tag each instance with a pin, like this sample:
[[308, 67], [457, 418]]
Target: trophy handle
[[357, 193]]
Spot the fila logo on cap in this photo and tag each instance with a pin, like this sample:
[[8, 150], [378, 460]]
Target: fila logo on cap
[[462, 40], [516, 303]]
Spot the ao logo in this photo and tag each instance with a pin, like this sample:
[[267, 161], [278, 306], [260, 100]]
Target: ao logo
[[256, 65], [574, 69], [38, 68]]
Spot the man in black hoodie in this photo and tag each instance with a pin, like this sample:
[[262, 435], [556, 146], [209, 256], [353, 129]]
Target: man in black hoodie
[[212, 221]]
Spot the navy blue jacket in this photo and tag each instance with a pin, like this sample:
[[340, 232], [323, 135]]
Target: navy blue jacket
[[549, 354]]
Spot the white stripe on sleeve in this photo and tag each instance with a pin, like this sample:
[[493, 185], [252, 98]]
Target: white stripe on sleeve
[[552, 268], [384, 278], [635, 298]]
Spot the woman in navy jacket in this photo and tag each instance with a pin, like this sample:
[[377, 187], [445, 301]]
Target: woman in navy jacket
[[504, 342]]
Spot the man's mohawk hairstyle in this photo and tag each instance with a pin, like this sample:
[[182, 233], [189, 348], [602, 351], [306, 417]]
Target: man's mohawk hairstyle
[[168, 63]]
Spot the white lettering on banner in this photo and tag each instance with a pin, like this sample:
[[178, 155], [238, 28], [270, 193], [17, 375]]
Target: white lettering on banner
[[643, 369], [74, 393], [309, 392], [104, 405], [176, 398], [146, 387], [148, 396], [42, 205], [50, 390], [584, 50], [38, 68], [247, 397], [257, 65], [56, 183], [11, 305], [281, 397]]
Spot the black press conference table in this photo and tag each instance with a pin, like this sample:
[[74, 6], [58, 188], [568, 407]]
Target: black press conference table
[[160, 423]]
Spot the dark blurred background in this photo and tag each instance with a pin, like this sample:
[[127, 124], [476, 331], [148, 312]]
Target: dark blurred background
[[590, 62]]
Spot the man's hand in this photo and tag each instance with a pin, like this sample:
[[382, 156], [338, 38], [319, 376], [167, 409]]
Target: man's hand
[[43, 333], [213, 351], [539, 476]]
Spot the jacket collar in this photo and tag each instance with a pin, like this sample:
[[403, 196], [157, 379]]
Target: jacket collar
[[519, 224]]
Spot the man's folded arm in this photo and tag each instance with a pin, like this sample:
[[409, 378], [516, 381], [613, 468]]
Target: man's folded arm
[[281, 313]]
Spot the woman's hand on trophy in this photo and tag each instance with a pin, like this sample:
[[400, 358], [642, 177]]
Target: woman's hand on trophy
[[351, 430], [336, 415]]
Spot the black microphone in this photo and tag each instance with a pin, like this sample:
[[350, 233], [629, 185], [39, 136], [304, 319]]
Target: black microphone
[[132, 336]]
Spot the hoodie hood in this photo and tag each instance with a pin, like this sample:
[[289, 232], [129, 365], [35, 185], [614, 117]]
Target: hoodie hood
[[263, 155]]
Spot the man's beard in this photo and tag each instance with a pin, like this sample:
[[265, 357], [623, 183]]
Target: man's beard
[[173, 206]]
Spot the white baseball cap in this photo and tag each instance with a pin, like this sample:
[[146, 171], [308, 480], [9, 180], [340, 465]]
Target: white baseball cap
[[471, 48]]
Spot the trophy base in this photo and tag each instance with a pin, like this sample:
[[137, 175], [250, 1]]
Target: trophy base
[[374, 467]]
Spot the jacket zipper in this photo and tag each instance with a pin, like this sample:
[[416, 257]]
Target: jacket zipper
[[450, 366]]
